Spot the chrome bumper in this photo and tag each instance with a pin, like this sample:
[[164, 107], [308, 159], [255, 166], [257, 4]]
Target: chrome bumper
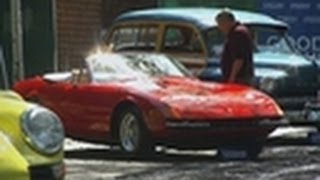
[[225, 124]]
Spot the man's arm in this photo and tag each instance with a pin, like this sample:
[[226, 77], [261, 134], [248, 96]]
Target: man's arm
[[236, 66]]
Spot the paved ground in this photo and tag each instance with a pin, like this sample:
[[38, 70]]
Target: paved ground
[[288, 155]]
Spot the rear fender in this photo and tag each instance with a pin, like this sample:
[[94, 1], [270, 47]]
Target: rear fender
[[29, 89]]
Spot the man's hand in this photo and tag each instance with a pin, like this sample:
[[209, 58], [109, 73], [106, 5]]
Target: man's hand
[[235, 70]]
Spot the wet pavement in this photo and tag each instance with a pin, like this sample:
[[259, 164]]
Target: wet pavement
[[287, 155]]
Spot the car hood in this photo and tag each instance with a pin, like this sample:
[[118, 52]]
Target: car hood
[[188, 98], [277, 65], [12, 105], [272, 64], [274, 59]]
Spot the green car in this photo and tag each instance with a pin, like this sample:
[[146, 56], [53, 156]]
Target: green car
[[191, 35], [31, 138]]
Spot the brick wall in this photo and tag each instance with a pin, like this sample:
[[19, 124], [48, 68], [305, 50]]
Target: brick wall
[[78, 24], [80, 21]]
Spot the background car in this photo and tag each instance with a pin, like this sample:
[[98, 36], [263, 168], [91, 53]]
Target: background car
[[191, 34], [139, 100], [31, 138]]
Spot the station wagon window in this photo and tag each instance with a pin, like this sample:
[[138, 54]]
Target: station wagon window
[[134, 38], [270, 39], [178, 39], [214, 41], [266, 38]]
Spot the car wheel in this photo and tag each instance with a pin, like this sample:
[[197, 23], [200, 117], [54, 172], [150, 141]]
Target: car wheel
[[132, 133]]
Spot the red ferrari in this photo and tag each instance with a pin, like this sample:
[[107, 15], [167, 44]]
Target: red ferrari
[[139, 100]]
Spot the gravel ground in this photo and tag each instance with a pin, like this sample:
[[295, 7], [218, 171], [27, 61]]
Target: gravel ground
[[288, 155]]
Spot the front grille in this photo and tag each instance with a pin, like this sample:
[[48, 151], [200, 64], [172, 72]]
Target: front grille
[[298, 89], [308, 77], [303, 82], [229, 123], [294, 102]]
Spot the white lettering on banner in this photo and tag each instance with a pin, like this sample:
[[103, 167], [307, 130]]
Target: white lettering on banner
[[316, 43], [312, 19], [300, 6], [309, 46], [303, 43], [289, 19], [273, 5]]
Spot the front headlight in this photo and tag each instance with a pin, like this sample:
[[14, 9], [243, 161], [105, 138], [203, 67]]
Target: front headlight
[[43, 129], [267, 84]]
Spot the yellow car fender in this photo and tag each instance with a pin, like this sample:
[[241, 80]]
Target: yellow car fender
[[17, 155], [11, 95], [13, 166]]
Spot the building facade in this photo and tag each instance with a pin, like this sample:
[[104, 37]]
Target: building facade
[[56, 34], [80, 22]]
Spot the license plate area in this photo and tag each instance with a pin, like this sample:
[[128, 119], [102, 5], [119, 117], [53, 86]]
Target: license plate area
[[233, 154], [314, 138]]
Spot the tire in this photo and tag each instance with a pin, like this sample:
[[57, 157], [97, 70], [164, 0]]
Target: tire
[[132, 133]]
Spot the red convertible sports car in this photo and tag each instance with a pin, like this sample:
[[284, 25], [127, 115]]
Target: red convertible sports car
[[138, 100]]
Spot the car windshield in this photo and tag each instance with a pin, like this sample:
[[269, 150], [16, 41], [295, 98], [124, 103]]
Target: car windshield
[[267, 39], [110, 67]]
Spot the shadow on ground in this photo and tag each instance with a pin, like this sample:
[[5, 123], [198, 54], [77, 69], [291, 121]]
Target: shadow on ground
[[176, 156], [117, 155]]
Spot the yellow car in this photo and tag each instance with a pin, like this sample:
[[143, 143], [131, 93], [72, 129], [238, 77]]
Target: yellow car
[[31, 139]]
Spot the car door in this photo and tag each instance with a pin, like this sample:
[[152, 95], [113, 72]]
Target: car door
[[185, 43], [85, 108], [91, 106]]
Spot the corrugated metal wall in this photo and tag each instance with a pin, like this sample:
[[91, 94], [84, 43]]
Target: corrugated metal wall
[[5, 35], [38, 37]]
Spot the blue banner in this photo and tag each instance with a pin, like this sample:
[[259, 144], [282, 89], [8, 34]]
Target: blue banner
[[303, 16]]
